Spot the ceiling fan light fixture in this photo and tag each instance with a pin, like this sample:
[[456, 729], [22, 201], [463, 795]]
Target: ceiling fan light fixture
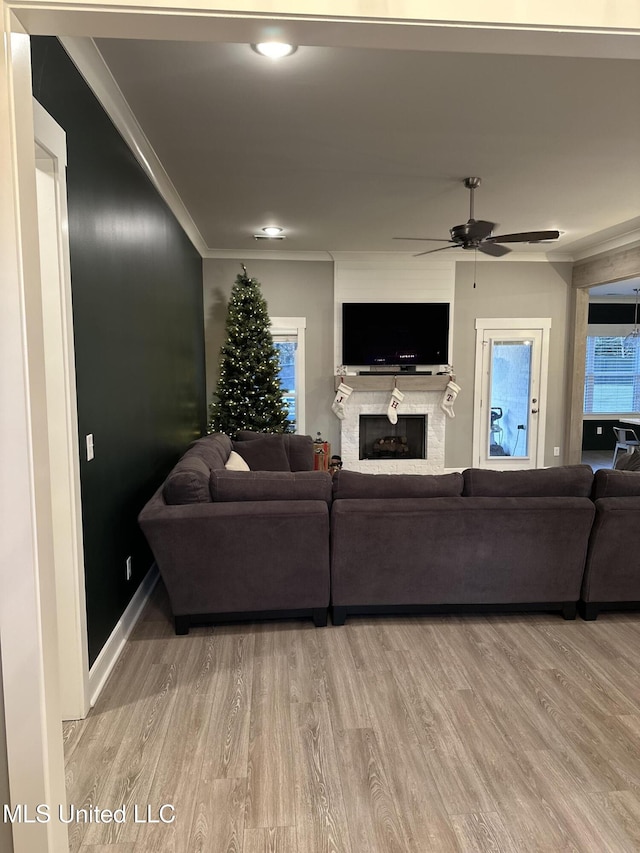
[[274, 49]]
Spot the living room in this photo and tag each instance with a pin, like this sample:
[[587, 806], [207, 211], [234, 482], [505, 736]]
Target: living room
[[305, 288]]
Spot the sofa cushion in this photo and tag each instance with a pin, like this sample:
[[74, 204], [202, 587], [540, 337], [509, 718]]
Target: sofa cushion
[[235, 462], [616, 484], [299, 448], [352, 484], [565, 481], [188, 482], [264, 454], [270, 486], [214, 449]]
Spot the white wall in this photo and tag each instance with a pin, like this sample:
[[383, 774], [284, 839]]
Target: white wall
[[508, 289], [389, 277], [292, 289]]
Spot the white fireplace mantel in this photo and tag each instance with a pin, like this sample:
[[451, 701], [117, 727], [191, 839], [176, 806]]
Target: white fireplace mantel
[[414, 382]]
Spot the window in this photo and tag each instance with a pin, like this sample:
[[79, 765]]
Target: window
[[288, 338], [612, 376]]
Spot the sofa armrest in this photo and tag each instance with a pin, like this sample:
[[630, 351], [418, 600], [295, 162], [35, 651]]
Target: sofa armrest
[[240, 556]]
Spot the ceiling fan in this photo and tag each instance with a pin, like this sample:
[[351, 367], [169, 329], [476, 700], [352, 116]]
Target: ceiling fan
[[476, 233]]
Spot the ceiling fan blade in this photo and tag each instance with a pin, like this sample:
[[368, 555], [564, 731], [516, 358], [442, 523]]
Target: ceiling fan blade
[[493, 249], [525, 237], [478, 229], [430, 239], [431, 251]]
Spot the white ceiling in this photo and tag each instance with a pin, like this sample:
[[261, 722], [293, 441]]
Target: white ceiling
[[346, 148]]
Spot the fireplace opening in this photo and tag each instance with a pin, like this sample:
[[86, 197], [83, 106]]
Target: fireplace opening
[[380, 439]]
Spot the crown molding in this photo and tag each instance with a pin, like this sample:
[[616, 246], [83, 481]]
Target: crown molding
[[623, 241], [265, 255], [90, 63]]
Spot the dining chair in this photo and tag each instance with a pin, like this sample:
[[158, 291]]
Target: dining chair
[[626, 439]]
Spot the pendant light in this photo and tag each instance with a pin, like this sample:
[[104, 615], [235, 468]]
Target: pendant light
[[631, 341]]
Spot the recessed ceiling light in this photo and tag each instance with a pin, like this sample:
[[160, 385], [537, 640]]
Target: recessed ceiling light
[[274, 49], [272, 230]]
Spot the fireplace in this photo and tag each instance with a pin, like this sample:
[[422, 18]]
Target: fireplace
[[420, 409], [380, 439]]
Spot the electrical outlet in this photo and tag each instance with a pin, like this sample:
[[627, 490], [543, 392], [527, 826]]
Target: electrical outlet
[[556, 451], [90, 453], [521, 426], [598, 430], [128, 568]]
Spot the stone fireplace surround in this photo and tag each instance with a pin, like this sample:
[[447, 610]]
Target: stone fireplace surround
[[370, 396]]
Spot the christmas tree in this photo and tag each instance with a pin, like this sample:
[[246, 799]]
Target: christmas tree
[[248, 394]]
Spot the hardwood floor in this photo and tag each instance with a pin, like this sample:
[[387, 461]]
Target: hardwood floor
[[388, 735]]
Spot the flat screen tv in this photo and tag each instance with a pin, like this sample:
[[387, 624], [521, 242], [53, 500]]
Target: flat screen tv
[[395, 333]]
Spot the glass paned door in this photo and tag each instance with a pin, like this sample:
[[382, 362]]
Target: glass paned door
[[509, 411], [510, 404]]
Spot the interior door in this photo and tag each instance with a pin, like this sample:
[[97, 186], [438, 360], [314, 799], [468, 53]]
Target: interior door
[[510, 394]]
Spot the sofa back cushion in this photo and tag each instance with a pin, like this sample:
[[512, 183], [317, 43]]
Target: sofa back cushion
[[265, 453], [299, 448], [188, 482], [270, 486], [214, 449], [352, 484], [616, 484], [565, 481]]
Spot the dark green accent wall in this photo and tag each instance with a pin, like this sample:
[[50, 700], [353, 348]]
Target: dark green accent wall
[[606, 440], [139, 335]]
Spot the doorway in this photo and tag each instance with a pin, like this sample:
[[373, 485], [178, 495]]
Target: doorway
[[510, 393]]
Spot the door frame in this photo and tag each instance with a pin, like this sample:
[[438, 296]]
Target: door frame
[[62, 414], [511, 324]]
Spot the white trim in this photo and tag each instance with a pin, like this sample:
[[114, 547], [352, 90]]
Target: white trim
[[28, 620], [62, 414], [543, 324], [90, 63], [112, 649], [513, 323], [296, 326]]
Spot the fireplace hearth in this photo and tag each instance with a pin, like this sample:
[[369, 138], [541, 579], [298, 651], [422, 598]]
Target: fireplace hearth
[[380, 439]]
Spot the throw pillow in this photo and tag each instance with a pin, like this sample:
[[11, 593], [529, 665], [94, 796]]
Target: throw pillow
[[235, 462], [264, 454], [270, 486]]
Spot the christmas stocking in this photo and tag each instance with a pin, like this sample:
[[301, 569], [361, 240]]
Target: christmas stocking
[[342, 395], [396, 398], [449, 398]]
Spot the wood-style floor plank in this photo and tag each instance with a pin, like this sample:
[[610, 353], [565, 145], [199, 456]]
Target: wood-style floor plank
[[320, 814], [272, 839], [509, 733], [271, 767]]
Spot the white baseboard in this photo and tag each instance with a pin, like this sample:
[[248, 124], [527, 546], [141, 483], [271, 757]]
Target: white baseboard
[[112, 649]]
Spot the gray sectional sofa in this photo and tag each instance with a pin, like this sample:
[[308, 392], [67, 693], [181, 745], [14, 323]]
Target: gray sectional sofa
[[482, 539], [612, 575], [284, 540], [243, 544]]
